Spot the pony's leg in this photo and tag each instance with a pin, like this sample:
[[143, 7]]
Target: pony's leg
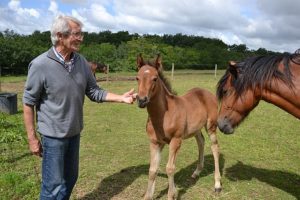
[[155, 154], [212, 131], [174, 146], [200, 164]]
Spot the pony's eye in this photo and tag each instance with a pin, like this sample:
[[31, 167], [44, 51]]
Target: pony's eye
[[155, 79], [137, 78]]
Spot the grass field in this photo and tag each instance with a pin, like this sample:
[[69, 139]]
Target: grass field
[[260, 161]]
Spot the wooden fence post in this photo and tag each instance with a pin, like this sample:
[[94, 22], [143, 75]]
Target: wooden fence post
[[107, 74], [172, 74], [216, 67], [0, 78]]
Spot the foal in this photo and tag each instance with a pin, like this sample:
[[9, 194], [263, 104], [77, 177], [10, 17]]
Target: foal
[[173, 118]]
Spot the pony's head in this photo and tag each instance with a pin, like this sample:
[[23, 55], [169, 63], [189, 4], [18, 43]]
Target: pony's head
[[98, 66], [102, 68], [147, 78], [244, 83], [236, 100]]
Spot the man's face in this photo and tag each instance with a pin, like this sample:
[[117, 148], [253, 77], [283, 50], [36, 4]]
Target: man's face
[[71, 41]]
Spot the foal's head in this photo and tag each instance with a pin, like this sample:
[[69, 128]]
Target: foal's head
[[147, 78]]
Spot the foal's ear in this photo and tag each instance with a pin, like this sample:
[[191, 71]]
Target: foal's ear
[[140, 61], [158, 64]]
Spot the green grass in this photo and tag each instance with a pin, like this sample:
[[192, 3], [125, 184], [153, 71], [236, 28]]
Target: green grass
[[259, 161], [9, 79]]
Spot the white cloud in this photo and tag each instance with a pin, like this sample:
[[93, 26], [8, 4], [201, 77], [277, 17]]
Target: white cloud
[[73, 1], [270, 24], [53, 7], [15, 6], [100, 15]]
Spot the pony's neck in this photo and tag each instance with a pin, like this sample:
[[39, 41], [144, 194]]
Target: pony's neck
[[158, 104], [284, 99]]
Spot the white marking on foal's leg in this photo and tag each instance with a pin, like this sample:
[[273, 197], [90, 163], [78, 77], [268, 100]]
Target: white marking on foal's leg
[[174, 147], [215, 150], [155, 154]]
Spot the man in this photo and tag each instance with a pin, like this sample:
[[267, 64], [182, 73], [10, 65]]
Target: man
[[57, 83]]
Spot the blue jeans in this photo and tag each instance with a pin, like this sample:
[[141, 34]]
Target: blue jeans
[[59, 167]]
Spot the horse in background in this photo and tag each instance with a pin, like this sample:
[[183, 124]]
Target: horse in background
[[97, 66], [171, 119], [274, 79]]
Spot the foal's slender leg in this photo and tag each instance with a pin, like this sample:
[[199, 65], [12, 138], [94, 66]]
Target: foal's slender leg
[[215, 150], [155, 154], [200, 164], [174, 146]]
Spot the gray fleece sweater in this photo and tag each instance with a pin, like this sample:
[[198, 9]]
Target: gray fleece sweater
[[59, 95]]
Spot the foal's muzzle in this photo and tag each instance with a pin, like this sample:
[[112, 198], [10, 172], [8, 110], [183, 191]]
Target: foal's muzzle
[[142, 102]]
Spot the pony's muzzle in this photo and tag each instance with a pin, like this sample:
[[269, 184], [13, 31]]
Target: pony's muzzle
[[225, 126], [142, 102]]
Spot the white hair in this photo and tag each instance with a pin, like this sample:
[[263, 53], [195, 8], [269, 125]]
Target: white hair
[[61, 25]]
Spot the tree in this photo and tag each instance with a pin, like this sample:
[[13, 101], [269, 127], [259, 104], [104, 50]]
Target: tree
[[120, 50]]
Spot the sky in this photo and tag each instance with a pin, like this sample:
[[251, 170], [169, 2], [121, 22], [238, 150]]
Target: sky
[[270, 24]]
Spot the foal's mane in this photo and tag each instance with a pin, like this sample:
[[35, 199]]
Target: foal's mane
[[255, 72], [163, 78]]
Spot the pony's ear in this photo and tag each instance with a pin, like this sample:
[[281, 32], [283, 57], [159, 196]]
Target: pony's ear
[[140, 61], [232, 69], [232, 63], [158, 64]]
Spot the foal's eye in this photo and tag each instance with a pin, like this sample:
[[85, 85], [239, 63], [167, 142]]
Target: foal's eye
[[155, 79], [137, 78]]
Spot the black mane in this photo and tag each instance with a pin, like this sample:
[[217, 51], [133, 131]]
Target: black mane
[[255, 72], [163, 78], [166, 82]]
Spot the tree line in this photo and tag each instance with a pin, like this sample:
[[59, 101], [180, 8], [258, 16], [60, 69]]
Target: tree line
[[120, 50]]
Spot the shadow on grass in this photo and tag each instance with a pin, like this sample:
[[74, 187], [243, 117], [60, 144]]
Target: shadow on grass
[[15, 159], [184, 181], [288, 182], [116, 183]]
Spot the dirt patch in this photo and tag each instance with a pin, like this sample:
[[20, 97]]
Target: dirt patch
[[12, 87], [19, 86], [119, 78]]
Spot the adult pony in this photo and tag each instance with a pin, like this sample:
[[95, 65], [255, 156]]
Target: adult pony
[[274, 79], [97, 66], [173, 118]]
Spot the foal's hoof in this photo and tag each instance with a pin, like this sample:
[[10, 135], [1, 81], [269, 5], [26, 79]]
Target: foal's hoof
[[194, 176], [218, 190]]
